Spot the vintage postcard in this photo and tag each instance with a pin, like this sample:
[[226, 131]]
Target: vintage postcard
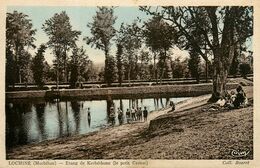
[[129, 84]]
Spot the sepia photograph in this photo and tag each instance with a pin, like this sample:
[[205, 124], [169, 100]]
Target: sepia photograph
[[140, 83]]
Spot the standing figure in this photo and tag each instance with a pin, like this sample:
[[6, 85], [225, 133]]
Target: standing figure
[[133, 112], [145, 114], [128, 117], [89, 116], [139, 114], [120, 115], [112, 115]]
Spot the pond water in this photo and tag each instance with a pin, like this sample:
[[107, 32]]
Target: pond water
[[38, 121]]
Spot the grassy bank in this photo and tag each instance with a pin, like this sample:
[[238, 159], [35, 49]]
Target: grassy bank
[[191, 132]]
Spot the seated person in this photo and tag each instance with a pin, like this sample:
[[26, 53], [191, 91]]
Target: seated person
[[240, 98], [221, 101]]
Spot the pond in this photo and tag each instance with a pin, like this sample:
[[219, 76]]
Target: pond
[[32, 122]]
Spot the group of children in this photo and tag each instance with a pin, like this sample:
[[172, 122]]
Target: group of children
[[234, 100], [135, 114]]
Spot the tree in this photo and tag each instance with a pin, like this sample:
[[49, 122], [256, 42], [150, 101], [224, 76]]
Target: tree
[[111, 70], [244, 69], [19, 34], [61, 39], [129, 36], [222, 29], [102, 31], [194, 65], [38, 66], [78, 66], [24, 63], [91, 74], [179, 68], [119, 63], [159, 36], [145, 59]]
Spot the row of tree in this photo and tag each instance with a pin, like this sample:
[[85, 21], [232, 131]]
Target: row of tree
[[21, 67], [217, 31]]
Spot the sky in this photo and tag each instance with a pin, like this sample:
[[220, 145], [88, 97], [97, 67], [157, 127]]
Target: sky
[[79, 18]]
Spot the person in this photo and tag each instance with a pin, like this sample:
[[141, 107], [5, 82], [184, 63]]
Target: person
[[127, 113], [145, 114], [133, 113], [89, 117], [221, 101], [112, 115], [233, 96], [230, 100], [240, 97], [172, 105], [120, 115], [88, 112], [139, 114]]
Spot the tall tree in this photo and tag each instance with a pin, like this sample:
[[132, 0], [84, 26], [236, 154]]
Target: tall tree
[[159, 36], [24, 66], [61, 39], [38, 66], [19, 34], [194, 65], [129, 36], [145, 59], [222, 28], [119, 63], [102, 31], [78, 65]]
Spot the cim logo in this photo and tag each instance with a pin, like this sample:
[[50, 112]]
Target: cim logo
[[240, 153]]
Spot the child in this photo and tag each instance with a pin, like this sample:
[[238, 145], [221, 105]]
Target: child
[[128, 116], [145, 114]]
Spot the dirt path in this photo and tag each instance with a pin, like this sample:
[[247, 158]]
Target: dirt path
[[188, 133]]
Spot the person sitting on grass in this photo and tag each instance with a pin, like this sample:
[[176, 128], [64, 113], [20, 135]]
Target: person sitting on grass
[[241, 99], [218, 105], [221, 101], [172, 106], [230, 100]]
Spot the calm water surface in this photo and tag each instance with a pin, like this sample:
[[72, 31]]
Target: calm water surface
[[35, 122]]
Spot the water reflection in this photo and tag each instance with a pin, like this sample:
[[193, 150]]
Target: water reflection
[[76, 107], [40, 109], [35, 122]]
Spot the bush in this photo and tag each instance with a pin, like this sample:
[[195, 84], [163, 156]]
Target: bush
[[244, 69]]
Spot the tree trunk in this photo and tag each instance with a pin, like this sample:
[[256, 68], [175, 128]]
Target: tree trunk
[[207, 73], [106, 66], [154, 68], [128, 74], [220, 73]]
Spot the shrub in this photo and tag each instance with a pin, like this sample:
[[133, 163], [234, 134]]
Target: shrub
[[244, 69]]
